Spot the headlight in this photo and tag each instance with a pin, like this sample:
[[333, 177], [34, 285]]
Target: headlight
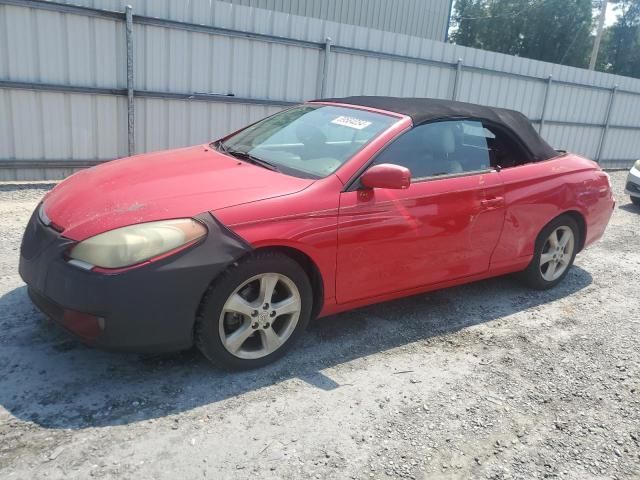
[[637, 165], [134, 244]]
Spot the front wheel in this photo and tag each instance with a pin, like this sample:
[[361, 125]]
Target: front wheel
[[254, 312], [555, 251]]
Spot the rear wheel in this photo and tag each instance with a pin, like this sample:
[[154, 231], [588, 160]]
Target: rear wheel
[[555, 251], [635, 201], [254, 312]]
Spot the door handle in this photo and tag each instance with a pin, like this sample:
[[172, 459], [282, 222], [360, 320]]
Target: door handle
[[492, 202]]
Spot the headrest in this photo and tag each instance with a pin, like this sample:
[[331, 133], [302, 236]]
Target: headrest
[[448, 140], [441, 139]]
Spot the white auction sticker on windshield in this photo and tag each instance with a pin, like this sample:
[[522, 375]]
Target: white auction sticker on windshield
[[351, 122]]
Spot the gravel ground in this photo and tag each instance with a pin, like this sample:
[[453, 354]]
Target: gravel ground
[[488, 380]]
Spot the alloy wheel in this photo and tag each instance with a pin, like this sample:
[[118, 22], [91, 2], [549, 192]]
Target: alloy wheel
[[557, 253], [260, 316]]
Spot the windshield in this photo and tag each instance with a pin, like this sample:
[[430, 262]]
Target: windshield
[[309, 141]]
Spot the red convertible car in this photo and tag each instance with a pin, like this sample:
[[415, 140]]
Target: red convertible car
[[324, 207]]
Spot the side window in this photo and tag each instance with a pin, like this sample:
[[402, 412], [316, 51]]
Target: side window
[[505, 152], [441, 148]]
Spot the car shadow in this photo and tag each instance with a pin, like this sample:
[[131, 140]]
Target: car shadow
[[630, 207], [54, 381]]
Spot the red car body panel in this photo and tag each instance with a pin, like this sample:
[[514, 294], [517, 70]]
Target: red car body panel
[[538, 192], [157, 186], [393, 240], [532, 196], [305, 221], [368, 245]]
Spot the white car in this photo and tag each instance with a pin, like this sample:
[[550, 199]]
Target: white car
[[632, 188]]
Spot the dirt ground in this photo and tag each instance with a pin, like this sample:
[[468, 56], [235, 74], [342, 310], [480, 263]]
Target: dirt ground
[[488, 380]]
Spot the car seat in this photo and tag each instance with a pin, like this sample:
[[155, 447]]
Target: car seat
[[314, 141], [442, 143]]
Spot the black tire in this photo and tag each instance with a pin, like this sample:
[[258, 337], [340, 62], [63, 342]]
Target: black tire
[[532, 276], [635, 201], [207, 335]]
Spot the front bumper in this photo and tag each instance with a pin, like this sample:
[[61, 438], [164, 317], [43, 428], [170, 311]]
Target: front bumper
[[632, 187], [149, 308]]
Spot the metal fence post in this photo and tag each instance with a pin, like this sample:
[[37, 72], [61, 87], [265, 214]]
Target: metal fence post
[[605, 129], [324, 72], [544, 103], [457, 80], [130, 100]]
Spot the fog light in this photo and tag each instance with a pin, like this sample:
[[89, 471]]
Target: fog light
[[88, 327]]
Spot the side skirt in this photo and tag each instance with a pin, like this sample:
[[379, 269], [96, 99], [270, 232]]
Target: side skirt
[[331, 307]]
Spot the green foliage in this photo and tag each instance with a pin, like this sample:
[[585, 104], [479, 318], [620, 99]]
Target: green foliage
[[557, 31], [620, 50]]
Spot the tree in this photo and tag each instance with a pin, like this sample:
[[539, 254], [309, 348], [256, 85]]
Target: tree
[[468, 31], [557, 31], [620, 52]]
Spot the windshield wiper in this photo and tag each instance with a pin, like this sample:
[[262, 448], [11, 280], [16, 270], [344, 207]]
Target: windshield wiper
[[219, 145], [248, 157]]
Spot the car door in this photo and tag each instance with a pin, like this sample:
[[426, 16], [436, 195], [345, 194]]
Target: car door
[[444, 226]]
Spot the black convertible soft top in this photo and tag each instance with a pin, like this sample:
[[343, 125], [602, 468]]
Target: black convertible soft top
[[426, 109]]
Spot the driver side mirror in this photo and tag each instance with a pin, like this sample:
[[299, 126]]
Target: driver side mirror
[[386, 175]]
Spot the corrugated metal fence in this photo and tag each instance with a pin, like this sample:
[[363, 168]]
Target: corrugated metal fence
[[420, 18], [73, 94]]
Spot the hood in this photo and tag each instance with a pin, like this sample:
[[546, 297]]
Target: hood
[[158, 186]]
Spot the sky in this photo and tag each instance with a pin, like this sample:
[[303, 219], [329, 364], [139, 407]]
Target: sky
[[612, 15]]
